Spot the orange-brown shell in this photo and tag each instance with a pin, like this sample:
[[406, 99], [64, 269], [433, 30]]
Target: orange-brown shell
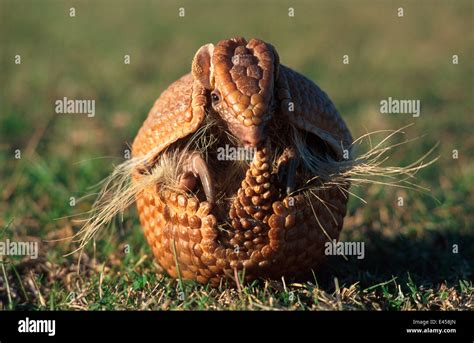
[[265, 233], [244, 73], [178, 112], [267, 237], [307, 107]]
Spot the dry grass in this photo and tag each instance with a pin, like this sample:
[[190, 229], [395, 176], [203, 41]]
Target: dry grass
[[409, 263]]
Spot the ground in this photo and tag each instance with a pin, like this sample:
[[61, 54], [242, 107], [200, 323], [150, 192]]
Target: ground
[[418, 256]]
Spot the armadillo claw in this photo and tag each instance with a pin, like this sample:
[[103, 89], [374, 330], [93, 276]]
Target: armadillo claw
[[263, 234], [195, 167]]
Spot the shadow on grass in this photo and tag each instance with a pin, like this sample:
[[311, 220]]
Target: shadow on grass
[[428, 260]]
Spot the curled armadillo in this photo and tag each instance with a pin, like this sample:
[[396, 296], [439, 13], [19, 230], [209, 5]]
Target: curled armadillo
[[267, 216]]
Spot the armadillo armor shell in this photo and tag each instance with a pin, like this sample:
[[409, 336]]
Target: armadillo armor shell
[[268, 234]]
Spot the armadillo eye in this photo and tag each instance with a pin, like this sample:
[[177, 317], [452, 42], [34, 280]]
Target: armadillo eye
[[215, 97]]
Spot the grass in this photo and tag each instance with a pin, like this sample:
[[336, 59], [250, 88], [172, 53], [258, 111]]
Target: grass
[[409, 261]]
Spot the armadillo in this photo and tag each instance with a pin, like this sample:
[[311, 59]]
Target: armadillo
[[252, 220]]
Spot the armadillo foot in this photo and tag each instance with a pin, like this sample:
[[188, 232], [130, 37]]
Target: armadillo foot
[[196, 167], [287, 165]]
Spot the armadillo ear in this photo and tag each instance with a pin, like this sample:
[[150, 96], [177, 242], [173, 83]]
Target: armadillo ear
[[276, 61], [202, 66]]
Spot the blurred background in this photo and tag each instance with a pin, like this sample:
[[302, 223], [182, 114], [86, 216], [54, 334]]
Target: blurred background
[[82, 57]]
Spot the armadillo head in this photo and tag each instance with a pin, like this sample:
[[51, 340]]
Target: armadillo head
[[240, 77]]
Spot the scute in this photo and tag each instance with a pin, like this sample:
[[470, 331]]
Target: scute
[[175, 114], [313, 111]]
